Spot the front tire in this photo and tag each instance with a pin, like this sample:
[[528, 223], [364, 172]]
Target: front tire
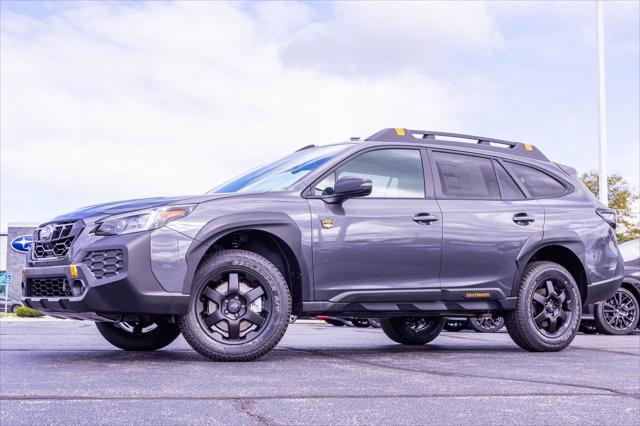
[[617, 315], [239, 308], [138, 336], [412, 330], [548, 309]]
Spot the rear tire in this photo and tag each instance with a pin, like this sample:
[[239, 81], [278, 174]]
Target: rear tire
[[548, 309], [138, 336], [617, 315], [239, 307], [412, 330]]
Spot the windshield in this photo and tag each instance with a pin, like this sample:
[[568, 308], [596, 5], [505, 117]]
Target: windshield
[[281, 173]]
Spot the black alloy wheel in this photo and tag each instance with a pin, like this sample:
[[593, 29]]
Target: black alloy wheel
[[412, 330], [548, 308], [552, 307], [139, 335], [233, 306], [360, 322], [240, 307], [418, 325], [617, 315], [487, 323], [455, 325], [136, 328]]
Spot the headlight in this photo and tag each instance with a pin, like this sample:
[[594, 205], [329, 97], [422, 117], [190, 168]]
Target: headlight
[[142, 220]]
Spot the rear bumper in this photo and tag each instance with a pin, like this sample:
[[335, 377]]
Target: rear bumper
[[603, 290], [134, 290]]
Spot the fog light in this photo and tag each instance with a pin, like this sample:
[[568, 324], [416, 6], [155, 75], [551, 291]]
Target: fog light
[[73, 270], [77, 288]]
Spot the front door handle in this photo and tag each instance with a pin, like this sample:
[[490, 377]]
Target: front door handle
[[523, 218], [425, 218]]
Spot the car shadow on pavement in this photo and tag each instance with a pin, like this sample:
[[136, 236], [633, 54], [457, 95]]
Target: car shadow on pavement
[[280, 354]]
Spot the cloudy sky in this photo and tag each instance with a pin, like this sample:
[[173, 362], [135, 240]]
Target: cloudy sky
[[108, 101]]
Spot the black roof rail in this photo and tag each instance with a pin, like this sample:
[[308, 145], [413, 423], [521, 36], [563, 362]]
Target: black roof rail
[[305, 147], [433, 137]]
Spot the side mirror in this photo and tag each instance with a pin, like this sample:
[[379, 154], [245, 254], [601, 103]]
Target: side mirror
[[349, 187]]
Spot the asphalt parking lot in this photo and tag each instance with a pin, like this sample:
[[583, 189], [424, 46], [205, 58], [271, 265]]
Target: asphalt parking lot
[[63, 372]]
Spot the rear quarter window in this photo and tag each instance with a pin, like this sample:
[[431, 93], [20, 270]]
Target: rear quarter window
[[538, 184]]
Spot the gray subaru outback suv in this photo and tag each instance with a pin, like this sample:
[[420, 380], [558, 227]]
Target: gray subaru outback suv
[[406, 226]]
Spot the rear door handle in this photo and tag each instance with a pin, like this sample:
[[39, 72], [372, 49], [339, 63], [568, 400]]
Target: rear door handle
[[425, 218], [523, 218]]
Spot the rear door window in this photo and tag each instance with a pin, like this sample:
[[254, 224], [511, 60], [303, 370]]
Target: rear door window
[[538, 184], [466, 177]]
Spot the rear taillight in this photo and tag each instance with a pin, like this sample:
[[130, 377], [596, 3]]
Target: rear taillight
[[609, 216]]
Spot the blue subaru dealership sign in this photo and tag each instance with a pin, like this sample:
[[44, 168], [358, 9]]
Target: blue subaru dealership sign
[[21, 243]]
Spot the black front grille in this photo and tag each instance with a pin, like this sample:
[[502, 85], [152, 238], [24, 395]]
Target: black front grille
[[105, 263], [53, 249], [58, 243], [48, 287]]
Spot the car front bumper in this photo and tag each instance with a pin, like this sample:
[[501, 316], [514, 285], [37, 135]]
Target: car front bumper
[[133, 290]]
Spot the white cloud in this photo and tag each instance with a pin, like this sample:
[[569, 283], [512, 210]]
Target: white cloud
[[102, 102], [384, 37]]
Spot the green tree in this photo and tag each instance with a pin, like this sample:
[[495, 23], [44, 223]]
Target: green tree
[[622, 199]]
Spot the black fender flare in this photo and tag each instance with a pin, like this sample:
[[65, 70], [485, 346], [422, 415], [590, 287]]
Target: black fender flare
[[566, 239], [276, 223]]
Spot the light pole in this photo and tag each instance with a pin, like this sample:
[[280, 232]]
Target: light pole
[[603, 191]]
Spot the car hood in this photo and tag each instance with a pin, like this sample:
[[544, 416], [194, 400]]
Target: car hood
[[118, 207]]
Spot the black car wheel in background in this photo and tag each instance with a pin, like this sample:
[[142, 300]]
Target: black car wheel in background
[[455, 324], [486, 323], [412, 330], [621, 313], [588, 327], [617, 315], [375, 323], [139, 336], [360, 322]]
